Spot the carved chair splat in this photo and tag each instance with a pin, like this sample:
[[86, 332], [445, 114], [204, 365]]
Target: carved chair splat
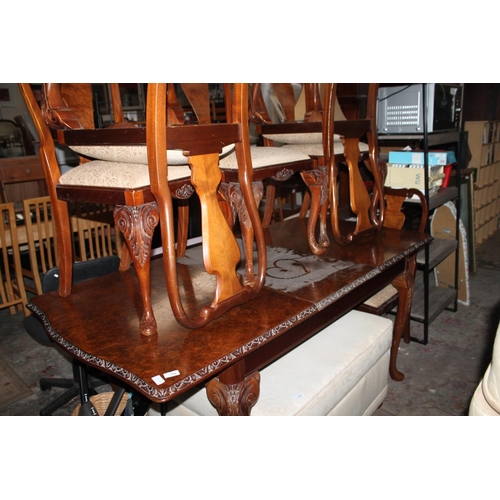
[[220, 249]]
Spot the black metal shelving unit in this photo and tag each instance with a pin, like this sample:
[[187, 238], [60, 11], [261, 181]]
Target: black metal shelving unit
[[430, 300]]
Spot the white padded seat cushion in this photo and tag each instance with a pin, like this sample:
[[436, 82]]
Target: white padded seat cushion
[[117, 175], [264, 157], [317, 149], [134, 154], [317, 375], [382, 296], [300, 138]]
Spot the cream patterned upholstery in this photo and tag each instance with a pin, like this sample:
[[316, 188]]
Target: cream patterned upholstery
[[382, 296], [299, 138], [264, 157], [486, 399], [317, 149], [124, 167], [134, 154], [116, 175], [343, 370]]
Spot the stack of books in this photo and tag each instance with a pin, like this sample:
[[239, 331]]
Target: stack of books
[[405, 169]]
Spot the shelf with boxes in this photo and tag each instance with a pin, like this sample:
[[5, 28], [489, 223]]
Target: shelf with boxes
[[407, 169], [484, 147]]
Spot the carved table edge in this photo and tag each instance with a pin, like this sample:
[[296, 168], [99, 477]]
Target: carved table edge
[[162, 395]]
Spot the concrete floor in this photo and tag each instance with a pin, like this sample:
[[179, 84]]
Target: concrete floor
[[440, 377]]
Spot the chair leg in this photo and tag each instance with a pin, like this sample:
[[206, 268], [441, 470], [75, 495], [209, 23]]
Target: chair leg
[[137, 224], [182, 227], [269, 205]]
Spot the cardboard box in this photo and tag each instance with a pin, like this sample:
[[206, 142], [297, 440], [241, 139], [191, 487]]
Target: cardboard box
[[406, 177]]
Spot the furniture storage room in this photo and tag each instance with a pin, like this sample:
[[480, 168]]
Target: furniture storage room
[[251, 249]]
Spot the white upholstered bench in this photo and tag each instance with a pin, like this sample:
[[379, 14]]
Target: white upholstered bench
[[343, 370]]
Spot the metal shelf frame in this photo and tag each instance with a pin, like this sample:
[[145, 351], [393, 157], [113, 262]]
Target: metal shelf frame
[[449, 301]]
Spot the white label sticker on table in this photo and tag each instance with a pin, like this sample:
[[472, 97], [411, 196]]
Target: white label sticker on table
[[158, 379]]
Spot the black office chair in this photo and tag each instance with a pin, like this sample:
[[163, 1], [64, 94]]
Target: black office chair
[[82, 271]]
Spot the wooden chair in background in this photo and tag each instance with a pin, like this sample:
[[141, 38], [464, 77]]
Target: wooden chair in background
[[94, 236], [39, 228], [268, 164], [12, 290], [328, 138], [304, 133], [91, 236]]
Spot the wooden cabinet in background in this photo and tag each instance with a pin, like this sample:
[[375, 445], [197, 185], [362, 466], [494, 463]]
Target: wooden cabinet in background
[[20, 178]]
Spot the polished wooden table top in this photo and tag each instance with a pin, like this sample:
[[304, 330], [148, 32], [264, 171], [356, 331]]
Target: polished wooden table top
[[99, 322]]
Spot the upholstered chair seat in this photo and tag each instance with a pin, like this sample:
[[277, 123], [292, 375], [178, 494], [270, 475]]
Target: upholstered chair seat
[[123, 166], [113, 174], [264, 157], [382, 297], [316, 149]]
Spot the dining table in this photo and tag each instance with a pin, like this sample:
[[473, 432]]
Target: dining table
[[98, 323]]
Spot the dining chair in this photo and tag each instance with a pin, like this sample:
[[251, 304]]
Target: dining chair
[[12, 290], [109, 173], [276, 123], [142, 191], [202, 144], [330, 139], [229, 191], [366, 199]]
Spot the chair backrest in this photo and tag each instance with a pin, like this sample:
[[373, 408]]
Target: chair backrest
[[202, 144], [93, 231], [394, 216], [279, 105], [42, 239], [91, 226], [12, 290], [367, 204]]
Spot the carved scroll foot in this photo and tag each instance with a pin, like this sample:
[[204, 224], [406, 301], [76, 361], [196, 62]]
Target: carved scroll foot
[[234, 399], [317, 181], [137, 225]]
